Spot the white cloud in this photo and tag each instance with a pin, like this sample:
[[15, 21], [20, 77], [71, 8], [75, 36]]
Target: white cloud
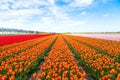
[[51, 17], [22, 4], [58, 13], [4, 1], [82, 3], [19, 24], [4, 6], [19, 13], [51, 2], [47, 20], [84, 13]]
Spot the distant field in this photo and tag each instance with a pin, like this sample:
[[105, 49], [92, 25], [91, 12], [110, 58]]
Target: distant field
[[115, 37]]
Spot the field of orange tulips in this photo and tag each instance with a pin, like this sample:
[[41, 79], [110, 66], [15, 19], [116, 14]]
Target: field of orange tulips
[[8, 50], [96, 62], [16, 65], [61, 57], [112, 48]]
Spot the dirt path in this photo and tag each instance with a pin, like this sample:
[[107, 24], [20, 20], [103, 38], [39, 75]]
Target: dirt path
[[87, 76], [37, 71]]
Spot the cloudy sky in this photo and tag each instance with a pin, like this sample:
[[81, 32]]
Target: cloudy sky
[[61, 15]]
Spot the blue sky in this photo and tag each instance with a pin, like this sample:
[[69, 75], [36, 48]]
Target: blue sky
[[61, 15]]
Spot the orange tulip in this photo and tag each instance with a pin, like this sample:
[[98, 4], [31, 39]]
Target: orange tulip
[[34, 75]]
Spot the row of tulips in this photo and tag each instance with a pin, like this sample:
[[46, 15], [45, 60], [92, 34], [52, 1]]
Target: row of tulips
[[20, 65], [98, 65], [106, 47], [60, 64], [19, 47], [110, 47], [19, 43]]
